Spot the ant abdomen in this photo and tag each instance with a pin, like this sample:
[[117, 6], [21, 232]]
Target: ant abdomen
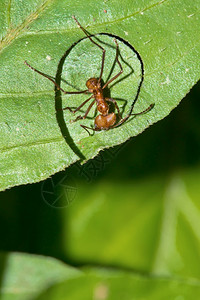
[[105, 122]]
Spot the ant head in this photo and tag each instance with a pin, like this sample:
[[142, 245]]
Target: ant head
[[92, 84]]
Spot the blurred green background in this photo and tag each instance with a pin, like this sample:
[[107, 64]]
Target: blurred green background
[[135, 206]]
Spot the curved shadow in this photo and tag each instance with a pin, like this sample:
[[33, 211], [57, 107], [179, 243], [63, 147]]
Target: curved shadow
[[114, 63], [58, 94], [59, 111], [141, 63]]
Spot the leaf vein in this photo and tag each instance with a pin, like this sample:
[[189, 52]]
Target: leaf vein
[[12, 34], [31, 144]]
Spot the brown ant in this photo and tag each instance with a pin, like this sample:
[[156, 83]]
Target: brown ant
[[105, 120]]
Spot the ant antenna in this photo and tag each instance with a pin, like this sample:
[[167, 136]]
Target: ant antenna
[[103, 50]]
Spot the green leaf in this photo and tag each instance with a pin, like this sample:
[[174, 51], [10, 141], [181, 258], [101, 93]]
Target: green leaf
[[28, 276], [100, 284], [35, 141], [24, 276], [150, 225]]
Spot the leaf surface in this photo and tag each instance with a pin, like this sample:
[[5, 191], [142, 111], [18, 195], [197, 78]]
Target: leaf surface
[[24, 276], [37, 138], [36, 277]]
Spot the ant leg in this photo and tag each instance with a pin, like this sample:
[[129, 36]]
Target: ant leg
[[58, 87], [115, 103], [117, 60], [86, 128], [86, 113], [144, 111], [135, 114], [103, 50], [79, 107]]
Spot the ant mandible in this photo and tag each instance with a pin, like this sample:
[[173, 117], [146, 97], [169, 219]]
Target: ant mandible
[[105, 120]]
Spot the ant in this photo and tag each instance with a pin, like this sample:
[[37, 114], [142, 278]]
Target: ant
[[105, 120]]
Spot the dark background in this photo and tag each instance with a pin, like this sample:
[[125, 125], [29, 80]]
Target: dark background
[[28, 224]]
